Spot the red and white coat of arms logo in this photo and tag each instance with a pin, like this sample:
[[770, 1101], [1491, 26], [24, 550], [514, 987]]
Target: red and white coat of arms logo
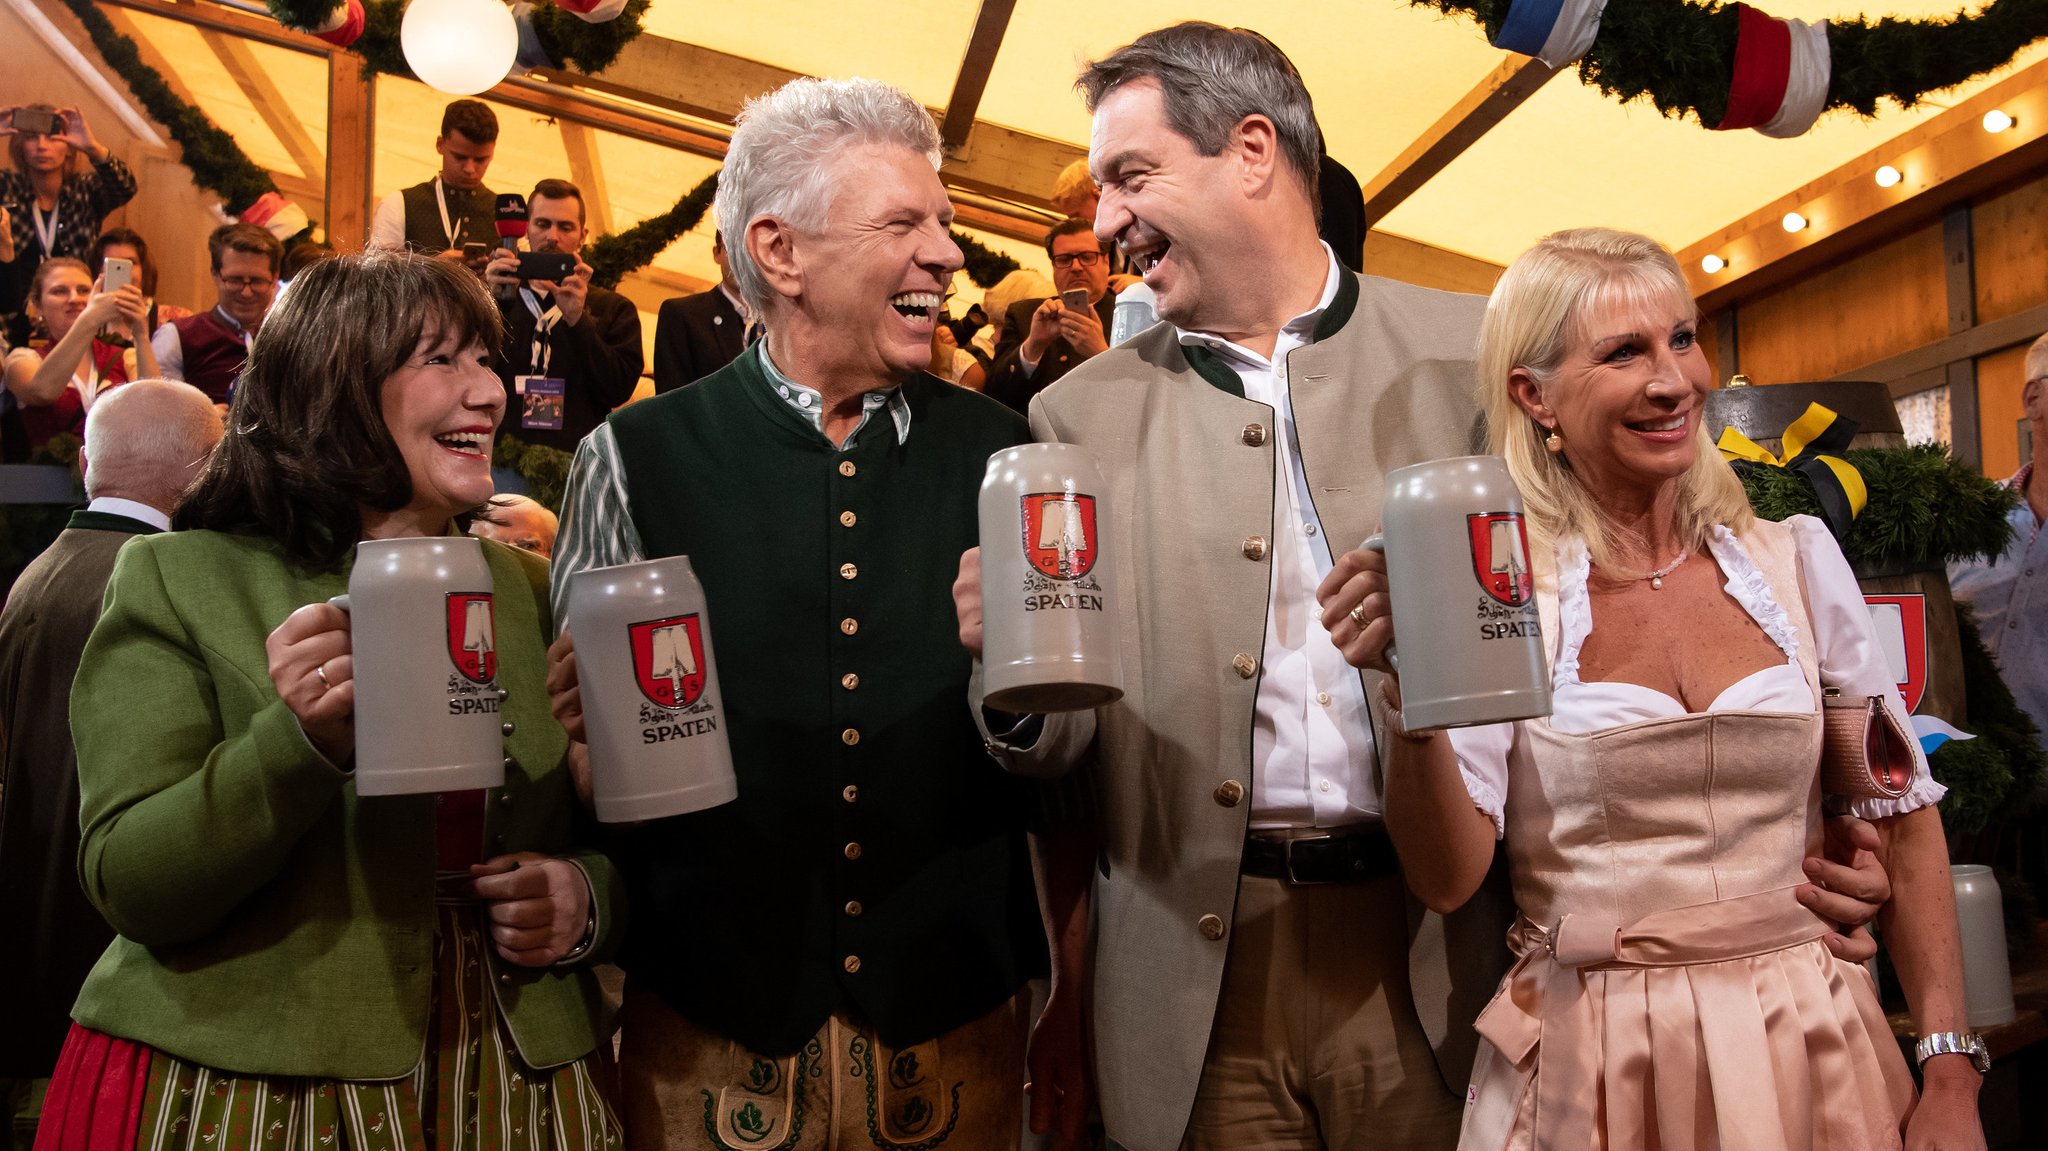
[[473, 636], [1901, 623], [1059, 534], [1500, 556], [668, 659]]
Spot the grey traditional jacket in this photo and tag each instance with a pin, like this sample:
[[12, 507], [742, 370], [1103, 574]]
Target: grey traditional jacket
[[1189, 466]]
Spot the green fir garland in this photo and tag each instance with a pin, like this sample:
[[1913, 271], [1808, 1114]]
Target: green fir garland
[[1900, 527], [218, 164], [545, 469], [2003, 763], [1681, 53], [569, 41], [985, 266], [612, 257]]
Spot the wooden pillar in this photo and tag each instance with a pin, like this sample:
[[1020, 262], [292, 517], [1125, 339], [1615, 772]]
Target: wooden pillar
[[1959, 262], [351, 151]]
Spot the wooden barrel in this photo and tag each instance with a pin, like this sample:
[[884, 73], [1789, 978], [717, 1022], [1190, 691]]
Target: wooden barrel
[[1912, 607]]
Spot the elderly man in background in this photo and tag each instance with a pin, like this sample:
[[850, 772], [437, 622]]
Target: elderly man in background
[[837, 957], [144, 443], [2009, 593], [207, 350], [519, 522]]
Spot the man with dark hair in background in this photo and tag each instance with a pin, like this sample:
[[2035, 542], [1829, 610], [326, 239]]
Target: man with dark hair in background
[[454, 208], [144, 443], [206, 350], [1042, 340], [572, 350], [695, 336]]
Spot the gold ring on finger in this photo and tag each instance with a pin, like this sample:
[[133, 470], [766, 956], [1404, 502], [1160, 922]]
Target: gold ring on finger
[[1358, 614], [320, 669]]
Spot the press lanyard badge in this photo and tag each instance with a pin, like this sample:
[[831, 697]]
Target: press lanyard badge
[[540, 402]]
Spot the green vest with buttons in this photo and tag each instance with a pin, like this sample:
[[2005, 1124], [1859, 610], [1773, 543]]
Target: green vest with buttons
[[874, 863]]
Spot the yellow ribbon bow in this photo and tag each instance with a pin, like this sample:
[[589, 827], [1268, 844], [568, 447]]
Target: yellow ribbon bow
[[1836, 481]]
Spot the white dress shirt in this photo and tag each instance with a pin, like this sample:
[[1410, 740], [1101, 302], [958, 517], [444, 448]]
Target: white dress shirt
[[1312, 745]]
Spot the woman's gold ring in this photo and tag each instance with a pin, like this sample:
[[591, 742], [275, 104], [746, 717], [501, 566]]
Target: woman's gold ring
[[320, 669], [1358, 614]]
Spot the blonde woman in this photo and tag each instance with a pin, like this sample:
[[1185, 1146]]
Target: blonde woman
[[1676, 985]]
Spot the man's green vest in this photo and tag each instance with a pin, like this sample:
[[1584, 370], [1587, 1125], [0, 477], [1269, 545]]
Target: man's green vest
[[473, 215], [874, 862]]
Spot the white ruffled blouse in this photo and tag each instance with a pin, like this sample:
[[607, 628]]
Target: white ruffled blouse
[[1849, 658]]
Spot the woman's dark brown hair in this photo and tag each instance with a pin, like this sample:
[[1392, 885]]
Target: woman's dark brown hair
[[306, 447]]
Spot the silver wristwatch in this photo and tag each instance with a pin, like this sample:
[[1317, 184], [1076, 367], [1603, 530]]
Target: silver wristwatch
[[1954, 1043]]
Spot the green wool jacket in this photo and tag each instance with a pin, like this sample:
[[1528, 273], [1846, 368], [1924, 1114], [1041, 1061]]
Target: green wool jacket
[[271, 921], [874, 862]]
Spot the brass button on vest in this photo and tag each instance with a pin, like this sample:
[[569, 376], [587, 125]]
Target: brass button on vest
[[508, 729], [852, 851], [1254, 435], [848, 519], [1255, 547], [852, 964], [846, 467], [1245, 665], [849, 625], [848, 571], [1210, 926], [853, 907], [1229, 793], [849, 737], [849, 681], [850, 794]]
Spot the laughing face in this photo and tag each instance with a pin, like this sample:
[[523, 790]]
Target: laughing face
[[1171, 209], [443, 408], [875, 274], [1629, 396]]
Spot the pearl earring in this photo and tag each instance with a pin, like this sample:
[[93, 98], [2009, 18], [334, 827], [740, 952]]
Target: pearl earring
[[1553, 442]]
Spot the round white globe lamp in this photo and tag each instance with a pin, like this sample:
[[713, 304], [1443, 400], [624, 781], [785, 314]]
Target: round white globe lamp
[[461, 47]]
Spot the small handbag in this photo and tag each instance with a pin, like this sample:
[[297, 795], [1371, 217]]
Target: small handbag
[[1865, 754]]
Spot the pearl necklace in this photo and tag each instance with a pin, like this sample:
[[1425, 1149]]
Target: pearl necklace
[[1656, 578]]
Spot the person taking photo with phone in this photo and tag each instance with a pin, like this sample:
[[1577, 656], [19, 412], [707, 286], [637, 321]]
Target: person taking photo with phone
[[572, 350], [65, 365], [51, 202], [1042, 340]]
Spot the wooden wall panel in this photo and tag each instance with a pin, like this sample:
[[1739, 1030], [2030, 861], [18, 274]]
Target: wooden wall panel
[[2000, 376], [2011, 235], [1887, 300]]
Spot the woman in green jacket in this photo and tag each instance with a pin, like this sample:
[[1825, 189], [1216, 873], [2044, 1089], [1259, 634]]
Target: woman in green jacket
[[299, 967]]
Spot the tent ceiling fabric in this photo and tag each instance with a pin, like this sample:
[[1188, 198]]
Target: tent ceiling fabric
[[1382, 72]]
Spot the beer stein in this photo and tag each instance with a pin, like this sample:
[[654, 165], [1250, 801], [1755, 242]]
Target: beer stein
[[651, 707], [1048, 595]]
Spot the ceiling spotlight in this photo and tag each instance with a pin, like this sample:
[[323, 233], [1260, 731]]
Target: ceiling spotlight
[[1888, 176], [1794, 221], [1997, 120], [1712, 264]]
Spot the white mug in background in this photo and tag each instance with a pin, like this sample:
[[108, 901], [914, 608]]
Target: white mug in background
[[1987, 966], [423, 635], [1463, 598], [651, 704], [1048, 601]]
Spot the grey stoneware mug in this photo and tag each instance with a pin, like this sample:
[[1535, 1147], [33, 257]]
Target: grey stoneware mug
[[1470, 649], [423, 633], [1048, 597], [655, 718]]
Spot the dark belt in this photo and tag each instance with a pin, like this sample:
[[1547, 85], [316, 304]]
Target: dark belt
[[1351, 855]]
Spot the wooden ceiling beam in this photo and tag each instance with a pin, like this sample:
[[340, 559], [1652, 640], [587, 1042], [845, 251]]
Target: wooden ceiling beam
[[586, 168], [1944, 161], [249, 75], [982, 45], [1505, 89]]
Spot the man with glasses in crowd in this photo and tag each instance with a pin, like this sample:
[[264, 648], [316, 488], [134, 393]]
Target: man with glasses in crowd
[[206, 350], [1042, 340]]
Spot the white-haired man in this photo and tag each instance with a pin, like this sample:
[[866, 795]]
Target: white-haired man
[[144, 442], [520, 522], [836, 957], [1260, 978]]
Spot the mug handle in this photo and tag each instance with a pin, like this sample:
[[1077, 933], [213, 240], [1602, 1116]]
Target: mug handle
[[1377, 542]]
